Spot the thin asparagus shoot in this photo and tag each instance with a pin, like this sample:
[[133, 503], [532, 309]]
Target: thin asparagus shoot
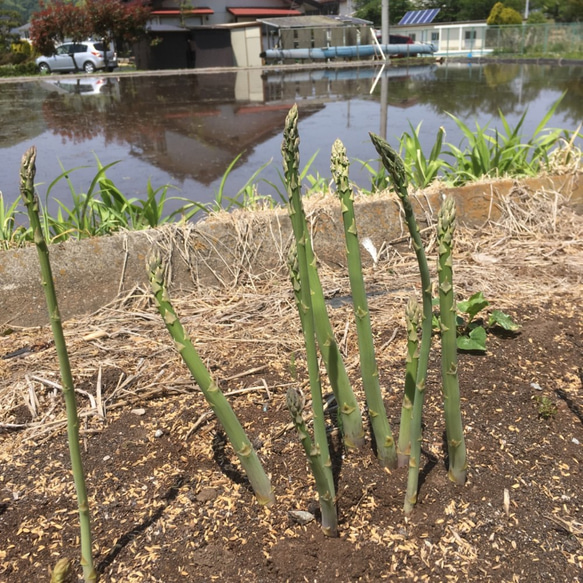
[[295, 404], [451, 392], [398, 176], [385, 444], [218, 402], [350, 416], [30, 199], [291, 162], [412, 317]]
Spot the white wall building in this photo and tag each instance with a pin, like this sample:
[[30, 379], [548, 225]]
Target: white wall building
[[451, 38]]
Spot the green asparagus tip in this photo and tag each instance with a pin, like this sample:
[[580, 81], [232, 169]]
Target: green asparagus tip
[[27, 172], [295, 402], [447, 215], [339, 161], [391, 161], [62, 571]]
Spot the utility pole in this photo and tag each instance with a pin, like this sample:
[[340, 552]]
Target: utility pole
[[385, 22], [526, 11]]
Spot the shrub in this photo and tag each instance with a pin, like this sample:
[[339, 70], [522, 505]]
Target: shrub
[[18, 70]]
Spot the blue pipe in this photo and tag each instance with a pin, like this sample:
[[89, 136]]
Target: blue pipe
[[359, 51]]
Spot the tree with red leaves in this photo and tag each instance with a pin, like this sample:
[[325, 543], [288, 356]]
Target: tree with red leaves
[[105, 20], [115, 19], [56, 22]]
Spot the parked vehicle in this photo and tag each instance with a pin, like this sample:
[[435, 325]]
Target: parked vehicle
[[399, 39], [85, 86], [86, 56]]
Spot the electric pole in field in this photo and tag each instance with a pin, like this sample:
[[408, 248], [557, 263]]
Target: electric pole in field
[[385, 22]]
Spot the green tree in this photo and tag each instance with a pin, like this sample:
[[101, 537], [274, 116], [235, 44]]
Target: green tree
[[570, 11], [102, 19], [55, 23], [501, 14], [536, 18], [111, 20], [448, 11], [9, 19]]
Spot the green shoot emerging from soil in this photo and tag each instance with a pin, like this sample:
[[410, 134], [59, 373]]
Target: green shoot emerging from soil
[[449, 367], [215, 398], [27, 173], [303, 255], [396, 171], [385, 443], [295, 404]]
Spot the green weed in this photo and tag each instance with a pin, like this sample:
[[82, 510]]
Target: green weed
[[471, 328]]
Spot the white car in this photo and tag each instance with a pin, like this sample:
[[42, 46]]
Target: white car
[[86, 56]]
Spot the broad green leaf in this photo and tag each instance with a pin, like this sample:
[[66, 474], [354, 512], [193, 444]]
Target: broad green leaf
[[499, 318], [473, 305], [475, 341]]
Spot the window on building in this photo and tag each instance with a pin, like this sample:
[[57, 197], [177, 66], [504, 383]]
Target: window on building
[[434, 37]]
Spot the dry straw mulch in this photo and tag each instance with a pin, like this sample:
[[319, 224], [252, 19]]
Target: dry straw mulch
[[164, 512], [528, 255]]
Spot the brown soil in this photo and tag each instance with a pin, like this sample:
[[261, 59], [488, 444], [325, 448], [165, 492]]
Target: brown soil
[[169, 502]]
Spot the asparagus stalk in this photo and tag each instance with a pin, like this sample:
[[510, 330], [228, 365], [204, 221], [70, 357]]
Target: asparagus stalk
[[398, 176], [291, 163], [385, 444], [295, 404], [30, 199], [218, 402], [412, 317], [350, 417], [451, 393]]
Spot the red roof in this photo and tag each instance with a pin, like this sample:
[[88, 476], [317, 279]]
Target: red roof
[[190, 11], [259, 12]]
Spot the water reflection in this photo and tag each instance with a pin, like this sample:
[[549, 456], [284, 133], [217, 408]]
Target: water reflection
[[186, 129]]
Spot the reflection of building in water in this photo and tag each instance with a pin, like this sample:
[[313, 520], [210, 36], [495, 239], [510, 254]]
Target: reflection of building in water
[[201, 145], [244, 109], [194, 126]]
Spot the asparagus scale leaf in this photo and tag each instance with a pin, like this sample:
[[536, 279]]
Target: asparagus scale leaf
[[451, 394], [385, 443], [30, 199], [218, 402]]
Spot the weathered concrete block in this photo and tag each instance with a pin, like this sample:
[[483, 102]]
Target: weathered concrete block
[[225, 249]]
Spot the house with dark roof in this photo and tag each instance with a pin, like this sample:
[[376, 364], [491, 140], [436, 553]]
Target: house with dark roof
[[221, 34], [220, 12]]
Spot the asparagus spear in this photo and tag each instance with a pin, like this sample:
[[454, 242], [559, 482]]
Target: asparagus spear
[[451, 393], [396, 170], [295, 404], [30, 199], [412, 316], [219, 404], [291, 162], [385, 443], [350, 417]]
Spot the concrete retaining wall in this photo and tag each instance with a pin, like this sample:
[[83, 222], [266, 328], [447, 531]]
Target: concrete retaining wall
[[225, 249]]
